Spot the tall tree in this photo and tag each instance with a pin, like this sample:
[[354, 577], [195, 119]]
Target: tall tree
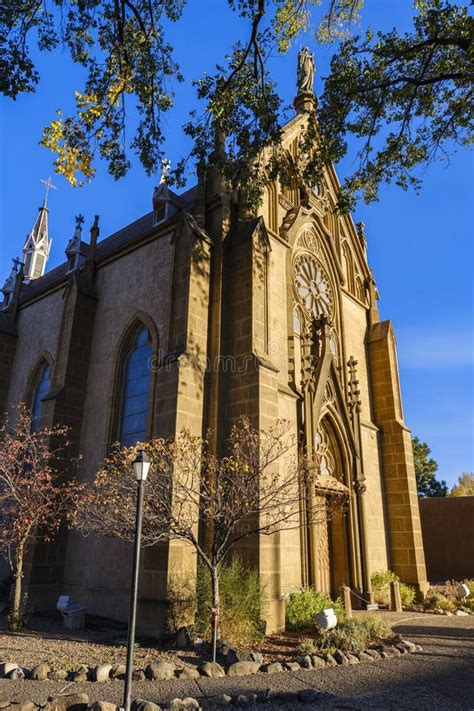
[[256, 489], [407, 99], [425, 469], [464, 486], [33, 501]]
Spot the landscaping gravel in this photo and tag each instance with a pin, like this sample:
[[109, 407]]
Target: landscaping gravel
[[440, 677]]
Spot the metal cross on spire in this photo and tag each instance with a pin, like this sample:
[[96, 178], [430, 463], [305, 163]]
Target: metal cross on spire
[[49, 185]]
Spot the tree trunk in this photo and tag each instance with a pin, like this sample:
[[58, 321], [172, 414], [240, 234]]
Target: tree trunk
[[215, 611], [18, 580]]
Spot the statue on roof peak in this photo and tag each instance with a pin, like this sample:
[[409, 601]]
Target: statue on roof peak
[[306, 68]]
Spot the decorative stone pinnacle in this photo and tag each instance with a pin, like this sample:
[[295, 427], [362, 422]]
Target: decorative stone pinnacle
[[79, 221], [354, 391], [361, 233]]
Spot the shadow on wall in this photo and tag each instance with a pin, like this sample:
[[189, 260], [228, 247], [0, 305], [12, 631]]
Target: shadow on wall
[[4, 570], [448, 537]]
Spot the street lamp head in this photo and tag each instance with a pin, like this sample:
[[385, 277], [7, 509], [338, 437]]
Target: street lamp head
[[141, 465]]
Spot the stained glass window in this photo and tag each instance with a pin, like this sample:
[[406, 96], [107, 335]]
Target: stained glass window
[[42, 389], [136, 387]]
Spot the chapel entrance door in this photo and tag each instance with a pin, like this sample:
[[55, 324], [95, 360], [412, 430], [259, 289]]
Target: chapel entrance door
[[321, 554]]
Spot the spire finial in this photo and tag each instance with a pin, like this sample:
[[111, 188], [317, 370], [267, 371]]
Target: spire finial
[[49, 185], [165, 170]]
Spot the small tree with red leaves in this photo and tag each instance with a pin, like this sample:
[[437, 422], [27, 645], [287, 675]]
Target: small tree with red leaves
[[256, 489], [33, 501]]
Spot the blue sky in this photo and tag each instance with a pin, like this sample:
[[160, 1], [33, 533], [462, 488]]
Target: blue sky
[[420, 247]]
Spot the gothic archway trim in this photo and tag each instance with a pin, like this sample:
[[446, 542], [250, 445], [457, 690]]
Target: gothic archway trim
[[139, 320]]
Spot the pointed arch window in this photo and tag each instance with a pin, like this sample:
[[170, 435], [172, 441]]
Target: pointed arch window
[[133, 422], [297, 336], [43, 386], [349, 266]]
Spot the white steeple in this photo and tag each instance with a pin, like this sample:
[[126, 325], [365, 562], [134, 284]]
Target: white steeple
[[38, 244]]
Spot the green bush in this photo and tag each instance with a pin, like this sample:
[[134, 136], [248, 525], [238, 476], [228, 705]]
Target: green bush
[[302, 606], [407, 594], [381, 585], [241, 599], [353, 634], [381, 588], [437, 602]]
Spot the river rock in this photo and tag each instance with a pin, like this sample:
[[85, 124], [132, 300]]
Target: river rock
[[58, 675], [67, 702], [330, 661], [183, 704], [274, 668], [341, 658], [27, 706], [103, 706], [7, 667], [292, 666], [212, 670], [142, 705], [352, 659], [243, 668], [317, 661], [118, 672], [40, 672], [102, 672], [402, 648], [232, 653], [160, 670]]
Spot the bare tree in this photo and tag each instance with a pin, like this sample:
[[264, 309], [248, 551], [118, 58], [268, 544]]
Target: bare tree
[[256, 489], [33, 502]]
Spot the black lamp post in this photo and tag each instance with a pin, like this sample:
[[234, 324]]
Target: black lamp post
[[141, 466]]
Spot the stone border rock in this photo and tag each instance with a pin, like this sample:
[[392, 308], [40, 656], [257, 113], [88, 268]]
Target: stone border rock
[[159, 671], [80, 702], [166, 670]]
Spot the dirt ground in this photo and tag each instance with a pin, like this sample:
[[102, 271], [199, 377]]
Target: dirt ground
[[46, 640], [440, 677]]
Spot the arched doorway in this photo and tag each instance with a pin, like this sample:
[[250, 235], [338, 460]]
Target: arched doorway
[[329, 540]]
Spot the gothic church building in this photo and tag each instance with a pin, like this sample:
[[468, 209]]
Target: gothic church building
[[193, 315]]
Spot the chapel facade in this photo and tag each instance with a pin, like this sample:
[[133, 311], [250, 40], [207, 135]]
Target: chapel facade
[[194, 315]]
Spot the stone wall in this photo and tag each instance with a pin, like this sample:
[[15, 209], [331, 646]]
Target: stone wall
[[448, 537], [138, 285], [38, 326]]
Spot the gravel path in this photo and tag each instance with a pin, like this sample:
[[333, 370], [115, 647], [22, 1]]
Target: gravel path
[[441, 678]]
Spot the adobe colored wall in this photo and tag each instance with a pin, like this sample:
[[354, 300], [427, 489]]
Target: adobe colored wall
[[448, 536]]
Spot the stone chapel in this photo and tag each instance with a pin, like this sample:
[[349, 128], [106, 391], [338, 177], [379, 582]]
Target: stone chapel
[[193, 315]]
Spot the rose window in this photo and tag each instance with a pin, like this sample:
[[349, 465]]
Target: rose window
[[312, 286]]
